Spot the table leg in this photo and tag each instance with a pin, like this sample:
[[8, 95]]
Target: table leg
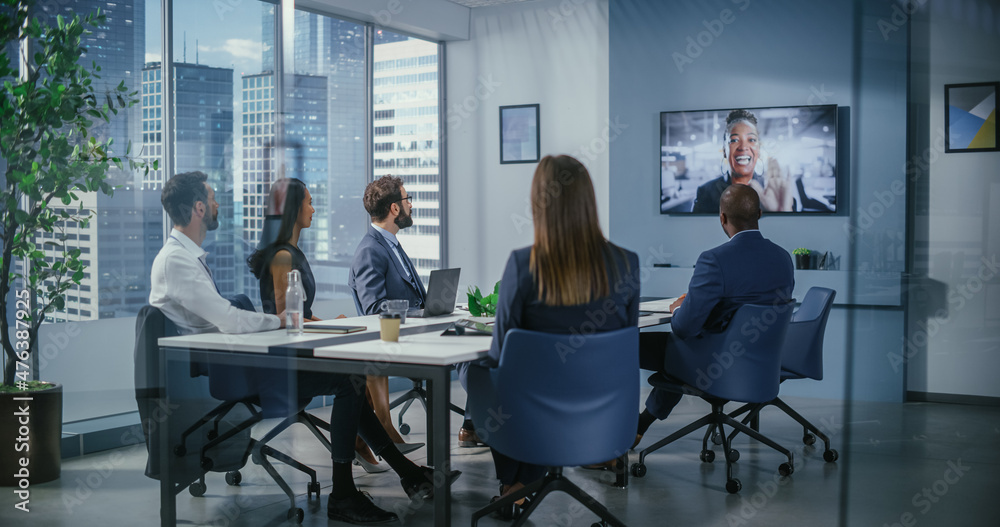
[[168, 503], [439, 437]]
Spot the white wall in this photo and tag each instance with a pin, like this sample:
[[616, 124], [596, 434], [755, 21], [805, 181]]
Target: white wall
[[958, 238], [554, 53]]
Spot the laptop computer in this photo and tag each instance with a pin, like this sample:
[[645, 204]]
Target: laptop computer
[[442, 290]]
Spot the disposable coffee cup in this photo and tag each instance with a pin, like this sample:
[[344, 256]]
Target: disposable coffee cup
[[389, 327], [398, 307]]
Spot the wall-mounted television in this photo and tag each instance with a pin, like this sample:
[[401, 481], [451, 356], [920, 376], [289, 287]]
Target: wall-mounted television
[[788, 154]]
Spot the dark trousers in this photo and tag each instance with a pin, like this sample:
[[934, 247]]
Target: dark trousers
[[653, 356], [351, 414], [510, 471]]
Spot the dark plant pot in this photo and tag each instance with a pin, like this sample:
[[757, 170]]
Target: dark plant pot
[[803, 261], [36, 436]]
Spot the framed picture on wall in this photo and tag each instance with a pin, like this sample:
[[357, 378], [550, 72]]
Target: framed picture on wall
[[970, 116], [519, 138]]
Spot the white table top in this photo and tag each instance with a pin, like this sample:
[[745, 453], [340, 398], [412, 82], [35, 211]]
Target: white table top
[[423, 348], [260, 342]]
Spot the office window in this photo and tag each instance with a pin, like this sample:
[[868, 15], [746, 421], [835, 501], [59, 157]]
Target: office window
[[232, 52], [405, 94]]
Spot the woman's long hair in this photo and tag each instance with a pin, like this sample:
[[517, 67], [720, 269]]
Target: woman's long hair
[[568, 257], [295, 193]]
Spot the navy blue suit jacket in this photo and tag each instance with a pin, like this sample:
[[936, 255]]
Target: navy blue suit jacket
[[377, 275], [748, 269], [519, 307]]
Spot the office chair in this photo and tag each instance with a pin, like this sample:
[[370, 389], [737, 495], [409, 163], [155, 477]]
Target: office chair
[[226, 451], [801, 358], [151, 324], [741, 364], [594, 396], [416, 393]]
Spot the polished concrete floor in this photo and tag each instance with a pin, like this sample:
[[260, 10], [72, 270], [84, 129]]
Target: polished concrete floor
[[900, 465]]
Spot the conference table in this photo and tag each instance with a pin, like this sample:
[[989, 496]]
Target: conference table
[[421, 353]]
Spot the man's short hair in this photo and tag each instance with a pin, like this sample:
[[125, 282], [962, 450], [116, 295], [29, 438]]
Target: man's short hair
[[381, 194], [181, 193], [741, 205]]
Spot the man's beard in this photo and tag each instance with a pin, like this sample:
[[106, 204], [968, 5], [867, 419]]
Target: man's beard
[[213, 223], [402, 221]]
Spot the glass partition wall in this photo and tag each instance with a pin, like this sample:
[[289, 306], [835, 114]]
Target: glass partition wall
[[250, 97]]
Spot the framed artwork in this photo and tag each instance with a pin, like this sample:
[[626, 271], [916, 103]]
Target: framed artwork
[[970, 116], [519, 138]]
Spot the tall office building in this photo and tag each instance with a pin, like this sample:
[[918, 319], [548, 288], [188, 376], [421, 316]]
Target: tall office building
[[304, 149], [203, 127], [335, 50], [116, 282], [406, 137]]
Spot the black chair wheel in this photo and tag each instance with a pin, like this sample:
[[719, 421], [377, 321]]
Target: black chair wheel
[[179, 450], [404, 428], [733, 486], [830, 456], [639, 470], [785, 469], [716, 438], [197, 489], [733, 456], [212, 434], [296, 515], [312, 488], [808, 439], [233, 478], [707, 456], [255, 457], [207, 464]]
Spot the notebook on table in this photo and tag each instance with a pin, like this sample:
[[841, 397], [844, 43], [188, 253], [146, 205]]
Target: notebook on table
[[326, 327]]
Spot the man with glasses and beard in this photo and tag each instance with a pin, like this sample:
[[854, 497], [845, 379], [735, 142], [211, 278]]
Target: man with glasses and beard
[[381, 270]]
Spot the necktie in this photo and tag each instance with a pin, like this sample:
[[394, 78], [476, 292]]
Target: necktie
[[414, 279]]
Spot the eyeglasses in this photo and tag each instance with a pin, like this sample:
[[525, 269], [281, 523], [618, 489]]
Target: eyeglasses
[[407, 198]]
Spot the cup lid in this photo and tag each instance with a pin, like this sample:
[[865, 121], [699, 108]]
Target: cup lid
[[390, 315]]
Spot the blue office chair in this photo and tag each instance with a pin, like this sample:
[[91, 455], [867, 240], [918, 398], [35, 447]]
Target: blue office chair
[[742, 364], [554, 390], [801, 358]]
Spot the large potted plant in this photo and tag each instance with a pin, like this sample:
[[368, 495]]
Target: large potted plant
[[48, 116]]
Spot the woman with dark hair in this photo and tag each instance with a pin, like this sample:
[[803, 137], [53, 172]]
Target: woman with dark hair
[[570, 272], [741, 151], [272, 263]]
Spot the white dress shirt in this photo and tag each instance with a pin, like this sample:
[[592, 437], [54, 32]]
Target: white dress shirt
[[184, 290]]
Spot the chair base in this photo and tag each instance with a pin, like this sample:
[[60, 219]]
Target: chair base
[[715, 422], [260, 452], [809, 431], [416, 393], [552, 481]]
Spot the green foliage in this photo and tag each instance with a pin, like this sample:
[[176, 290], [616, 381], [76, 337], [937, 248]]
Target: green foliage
[[801, 251], [483, 306], [53, 155], [30, 386]]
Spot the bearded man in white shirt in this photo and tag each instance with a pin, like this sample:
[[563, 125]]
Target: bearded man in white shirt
[[182, 284]]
